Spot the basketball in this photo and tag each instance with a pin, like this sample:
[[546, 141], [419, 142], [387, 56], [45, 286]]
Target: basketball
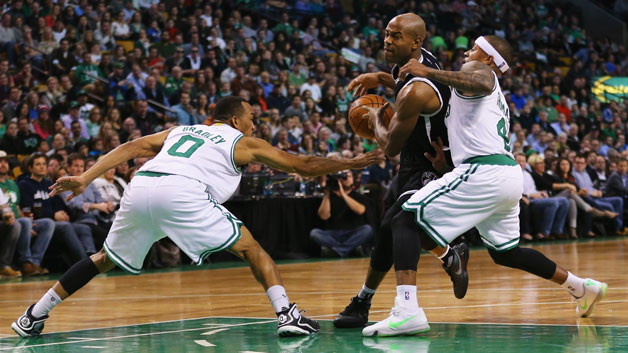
[[357, 119]]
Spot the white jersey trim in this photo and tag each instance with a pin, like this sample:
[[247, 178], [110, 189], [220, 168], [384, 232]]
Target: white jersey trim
[[235, 166], [431, 84]]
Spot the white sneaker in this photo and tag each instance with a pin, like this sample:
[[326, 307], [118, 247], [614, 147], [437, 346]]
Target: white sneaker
[[594, 291], [399, 323]]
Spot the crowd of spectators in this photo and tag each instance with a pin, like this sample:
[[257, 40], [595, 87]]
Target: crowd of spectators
[[78, 79]]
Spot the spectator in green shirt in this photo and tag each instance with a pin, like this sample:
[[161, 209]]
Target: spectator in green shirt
[[86, 73]]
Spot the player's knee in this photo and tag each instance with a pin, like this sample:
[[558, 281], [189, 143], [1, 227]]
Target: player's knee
[[506, 258], [402, 220], [102, 262]]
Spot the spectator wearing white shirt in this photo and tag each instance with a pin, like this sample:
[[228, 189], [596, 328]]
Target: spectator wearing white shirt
[[313, 87], [120, 29]]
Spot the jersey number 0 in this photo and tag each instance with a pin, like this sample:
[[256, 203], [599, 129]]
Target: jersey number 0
[[187, 144]]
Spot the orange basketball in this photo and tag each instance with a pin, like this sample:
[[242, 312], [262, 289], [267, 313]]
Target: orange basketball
[[357, 119]]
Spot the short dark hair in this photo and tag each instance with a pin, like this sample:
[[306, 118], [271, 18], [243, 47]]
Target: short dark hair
[[228, 107], [34, 156], [502, 46], [73, 157]]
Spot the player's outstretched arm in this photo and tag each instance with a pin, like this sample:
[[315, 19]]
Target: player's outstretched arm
[[251, 149], [474, 77], [365, 82], [147, 146]]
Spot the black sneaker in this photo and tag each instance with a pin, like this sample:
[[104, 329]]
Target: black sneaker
[[457, 270], [28, 325], [290, 323], [356, 314]]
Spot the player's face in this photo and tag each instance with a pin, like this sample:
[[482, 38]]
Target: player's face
[[245, 121], [475, 54], [397, 44]]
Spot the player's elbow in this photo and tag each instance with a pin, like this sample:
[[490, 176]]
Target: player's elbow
[[391, 151]]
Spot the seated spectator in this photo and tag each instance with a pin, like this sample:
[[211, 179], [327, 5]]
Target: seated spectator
[[343, 210], [89, 208], [185, 111], [34, 237], [283, 142], [36, 203], [563, 180], [10, 234], [550, 212], [146, 120], [75, 115], [111, 187], [617, 184], [10, 143], [595, 197], [27, 140], [43, 125]]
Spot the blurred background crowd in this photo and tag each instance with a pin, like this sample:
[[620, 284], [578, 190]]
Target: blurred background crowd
[[77, 79]]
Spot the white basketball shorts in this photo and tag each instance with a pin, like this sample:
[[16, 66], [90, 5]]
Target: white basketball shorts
[[157, 205], [472, 195]]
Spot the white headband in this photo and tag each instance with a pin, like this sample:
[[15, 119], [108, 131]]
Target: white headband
[[502, 65]]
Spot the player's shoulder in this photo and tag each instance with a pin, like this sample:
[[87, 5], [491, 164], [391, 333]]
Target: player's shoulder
[[430, 60]]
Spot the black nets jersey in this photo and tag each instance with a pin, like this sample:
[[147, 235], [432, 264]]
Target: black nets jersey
[[416, 170]]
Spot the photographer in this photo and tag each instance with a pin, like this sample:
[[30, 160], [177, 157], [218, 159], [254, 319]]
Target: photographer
[[343, 210]]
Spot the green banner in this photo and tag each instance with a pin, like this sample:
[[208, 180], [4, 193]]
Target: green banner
[[610, 89]]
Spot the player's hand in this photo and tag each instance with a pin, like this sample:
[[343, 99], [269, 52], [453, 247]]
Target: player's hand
[[366, 159], [413, 67], [439, 161], [363, 83], [381, 111], [76, 184]]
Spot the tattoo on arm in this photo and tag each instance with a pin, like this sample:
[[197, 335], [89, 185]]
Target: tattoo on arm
[[472, 82]]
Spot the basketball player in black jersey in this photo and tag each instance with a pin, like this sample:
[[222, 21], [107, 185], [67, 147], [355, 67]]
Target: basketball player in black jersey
[[418, 132]]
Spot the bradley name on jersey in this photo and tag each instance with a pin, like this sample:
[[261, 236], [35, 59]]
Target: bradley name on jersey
[[213, 137]]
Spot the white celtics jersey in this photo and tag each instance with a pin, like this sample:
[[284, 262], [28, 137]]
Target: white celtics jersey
[[204, 153], [478, 126]]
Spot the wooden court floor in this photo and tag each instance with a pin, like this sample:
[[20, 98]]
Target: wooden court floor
[[505, 310]]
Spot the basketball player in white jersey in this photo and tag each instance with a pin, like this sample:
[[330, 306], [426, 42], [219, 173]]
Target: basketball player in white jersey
[[178, 194], [482, 191]]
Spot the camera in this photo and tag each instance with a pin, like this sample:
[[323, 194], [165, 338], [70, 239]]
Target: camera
[[332, 180]]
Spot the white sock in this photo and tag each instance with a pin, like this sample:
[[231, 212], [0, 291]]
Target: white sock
[[407, 298], [574, 284], [278, 298], [46, 303], [366, 293]]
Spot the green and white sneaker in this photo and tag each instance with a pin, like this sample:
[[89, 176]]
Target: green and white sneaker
[[594, 291], [399, 323]]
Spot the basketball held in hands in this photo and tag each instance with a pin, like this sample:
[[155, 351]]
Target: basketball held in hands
[[358, 118]]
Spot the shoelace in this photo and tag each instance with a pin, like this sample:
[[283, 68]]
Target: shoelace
[[394, 311]]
